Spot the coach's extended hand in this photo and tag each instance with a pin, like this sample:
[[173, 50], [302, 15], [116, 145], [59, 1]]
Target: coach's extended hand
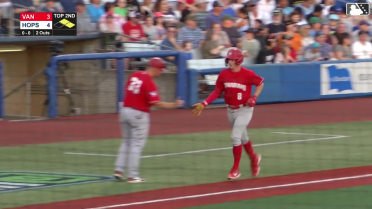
[[197, 109]]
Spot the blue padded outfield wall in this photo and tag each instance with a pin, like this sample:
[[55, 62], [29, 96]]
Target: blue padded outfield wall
[[303, 81]]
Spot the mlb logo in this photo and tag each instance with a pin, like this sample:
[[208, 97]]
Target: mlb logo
[[355, 9]]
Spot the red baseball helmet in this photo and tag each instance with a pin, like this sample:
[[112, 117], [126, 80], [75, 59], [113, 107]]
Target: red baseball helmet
[[157, 62], [234, 54]]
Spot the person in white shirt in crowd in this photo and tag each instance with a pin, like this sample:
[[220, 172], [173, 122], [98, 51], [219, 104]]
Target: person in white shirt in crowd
[[362, 49], [326, 7], [254, 13], [109, 25], [266, 7]]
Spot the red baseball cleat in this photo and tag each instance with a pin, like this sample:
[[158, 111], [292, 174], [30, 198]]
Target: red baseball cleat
[[233, 175], [135, 180], [255, 165]]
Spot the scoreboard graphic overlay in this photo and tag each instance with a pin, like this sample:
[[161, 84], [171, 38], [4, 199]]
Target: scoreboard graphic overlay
[[47, 24]]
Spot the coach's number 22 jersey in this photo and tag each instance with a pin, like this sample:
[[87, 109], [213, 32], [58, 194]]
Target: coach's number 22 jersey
[[140, 92], [236, 86]]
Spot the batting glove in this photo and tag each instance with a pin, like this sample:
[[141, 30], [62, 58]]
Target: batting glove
[[252, 101]]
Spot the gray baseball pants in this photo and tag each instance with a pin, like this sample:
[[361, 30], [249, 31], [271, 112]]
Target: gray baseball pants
[[135, 128], [239, 120]]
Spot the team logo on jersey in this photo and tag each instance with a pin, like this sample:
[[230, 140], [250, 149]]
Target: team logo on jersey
[[340, 78], [235, 85]]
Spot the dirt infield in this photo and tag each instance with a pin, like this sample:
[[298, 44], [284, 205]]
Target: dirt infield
[[105, 126], [224, 191]]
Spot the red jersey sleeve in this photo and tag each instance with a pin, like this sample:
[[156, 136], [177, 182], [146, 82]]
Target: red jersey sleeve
[[152, 92], [218, 89], [256, 79]]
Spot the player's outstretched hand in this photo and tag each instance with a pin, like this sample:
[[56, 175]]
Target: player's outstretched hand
[[252, 101], [179, 103], [197, 109]]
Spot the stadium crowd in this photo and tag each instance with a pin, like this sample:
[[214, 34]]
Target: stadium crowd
[[267, 31]]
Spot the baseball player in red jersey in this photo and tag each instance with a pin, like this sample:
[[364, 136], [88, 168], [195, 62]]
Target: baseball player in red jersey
[[236, 82], [140, 94]]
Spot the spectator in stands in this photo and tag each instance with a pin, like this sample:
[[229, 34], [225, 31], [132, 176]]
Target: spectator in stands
[[261, 36], [232, 32], [187, 46], [190, 32], [83, 19], [341, 30], [170, 41], [160, 25], [363, 26], [362, 49], [316, 25], [307, 7], [250, 47], [316, 13], [312, 54], [215, 16], [110, 10], [110, 25], [333, 21], [266, 7], [254, 13], [211, 49], [277, 26], [201, 13], [133, 5], [241, 23], [146, 8], [22, 6], [182, 10], [296, 39], [50, 6], [283, 56], [330, 38], [133, 29], [68, 5], [270, 46], [326, 49], [326, 7], [95, 10], [305, 36], [120, 8], [227, 9], [286, 42], [163, 6], [297, 17], [343, 51], [223, 39], [150, 29], [285, 8]]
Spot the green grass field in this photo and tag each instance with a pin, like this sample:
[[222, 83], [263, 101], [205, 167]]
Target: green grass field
[[355, 198], [316, 147]]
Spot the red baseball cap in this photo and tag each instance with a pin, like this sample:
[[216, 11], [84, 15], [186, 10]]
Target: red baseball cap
[[157, 62]]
